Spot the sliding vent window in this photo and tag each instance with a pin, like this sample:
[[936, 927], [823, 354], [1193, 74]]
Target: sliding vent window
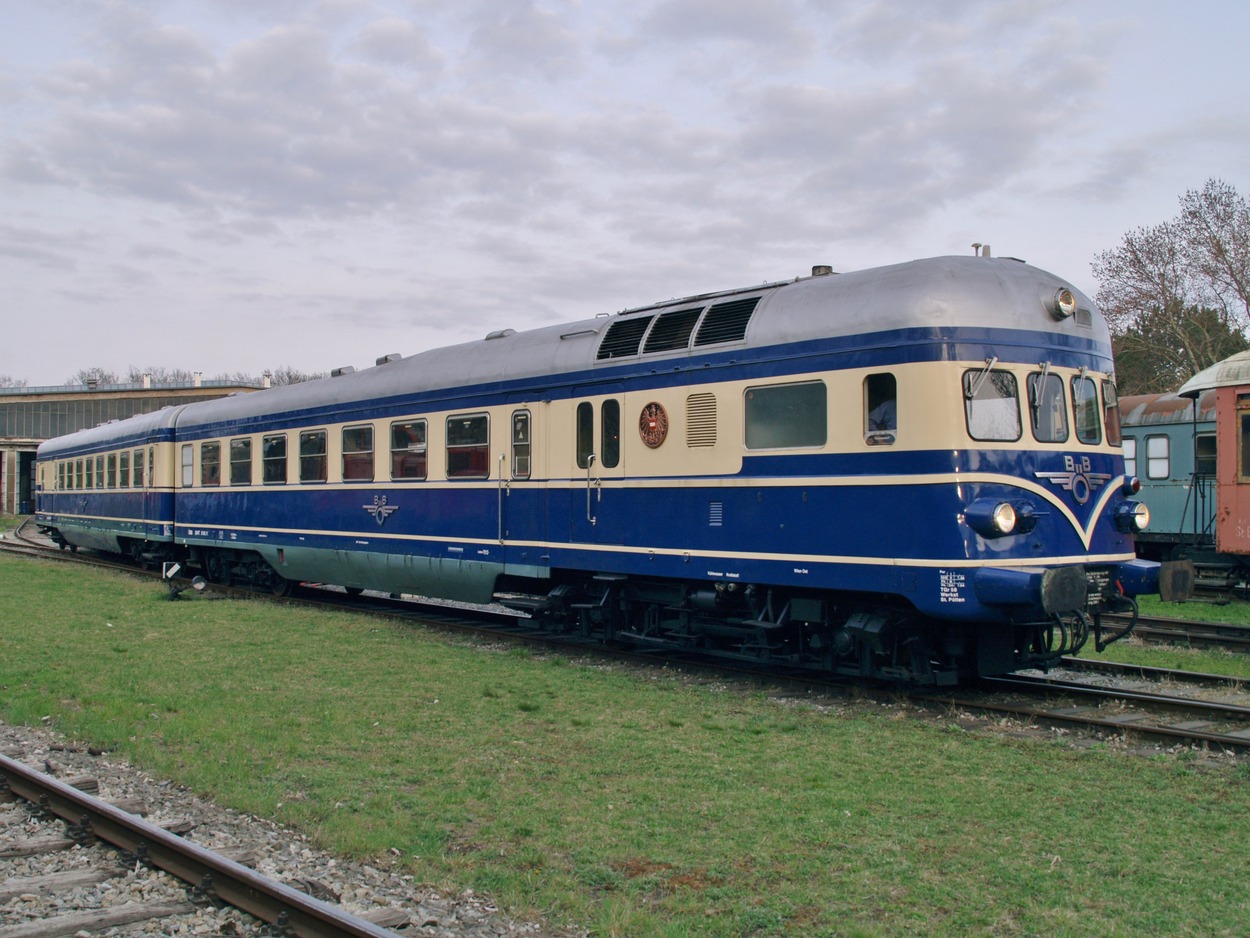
[[241, 462], [468, 447], [358, 454], [408, 450], [210, 464], [312, 456], [274, 458], [787, 415]]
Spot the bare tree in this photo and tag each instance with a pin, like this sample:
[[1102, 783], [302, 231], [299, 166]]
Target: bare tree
[[7, 381], [159, 375], [1176, 294], [288, 375], [1216, 228], [97, 375]]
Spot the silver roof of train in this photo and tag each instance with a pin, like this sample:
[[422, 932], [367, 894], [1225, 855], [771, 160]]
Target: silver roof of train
[[962, 291], [970, 292]]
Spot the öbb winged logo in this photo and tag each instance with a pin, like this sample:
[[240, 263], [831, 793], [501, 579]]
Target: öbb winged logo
[[380, 509], [1076, 478]]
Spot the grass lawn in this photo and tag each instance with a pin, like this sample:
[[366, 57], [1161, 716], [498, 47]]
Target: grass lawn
[[637, 803]]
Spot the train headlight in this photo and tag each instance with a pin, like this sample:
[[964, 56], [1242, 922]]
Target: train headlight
[[990, 517], [1131, 517], [1063, 303], [1132, 485]]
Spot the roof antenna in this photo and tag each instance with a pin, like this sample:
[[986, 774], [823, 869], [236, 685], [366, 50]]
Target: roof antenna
[[976, 248]]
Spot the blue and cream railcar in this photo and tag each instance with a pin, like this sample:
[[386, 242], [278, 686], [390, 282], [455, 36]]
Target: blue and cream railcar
[[910, 472], [111, 487]]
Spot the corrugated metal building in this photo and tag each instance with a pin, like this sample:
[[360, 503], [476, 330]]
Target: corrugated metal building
[[28, 416]]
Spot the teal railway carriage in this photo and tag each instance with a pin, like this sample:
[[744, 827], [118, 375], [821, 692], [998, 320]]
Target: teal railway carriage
[[1170, 445], [912, 472], [1191, 449]]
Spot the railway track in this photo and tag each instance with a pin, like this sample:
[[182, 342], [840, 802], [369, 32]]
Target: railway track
[[1170, 718], [213, 879], [1097, 709]]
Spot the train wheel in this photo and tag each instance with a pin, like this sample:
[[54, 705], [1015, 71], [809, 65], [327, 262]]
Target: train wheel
[[280, 585], [218, 568]]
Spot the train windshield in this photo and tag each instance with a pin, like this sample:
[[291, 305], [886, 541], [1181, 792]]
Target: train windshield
[[991, 405]]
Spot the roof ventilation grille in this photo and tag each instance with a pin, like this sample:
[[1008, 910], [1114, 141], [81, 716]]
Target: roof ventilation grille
[[623, 338], [726, 322]]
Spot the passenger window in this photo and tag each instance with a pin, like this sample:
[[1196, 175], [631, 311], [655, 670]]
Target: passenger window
[[1130, 456], [610, 414], [241, 462], [139, 469], [123, 470], [273, 459], [312, 456], [358, 454], [521, 444], [1111, 413], [210, 464], [188, 464], [90, 473], [78, 473], [880, 409], [1244, 441], [468, 447], [1204, 454], [585, 433], [1158, 461], [1086, 410], [1048, 408], [991, 405], [408, 460], [786, 415], [110, 480]]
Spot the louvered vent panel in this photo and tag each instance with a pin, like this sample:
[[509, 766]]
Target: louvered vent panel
[[623, 337], [715, 514], [726, 322], [701, 420], [672, 330]]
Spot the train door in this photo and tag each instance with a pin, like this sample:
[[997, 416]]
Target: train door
[[597, 517], [523, 493], [1232, 420], [143, 472]]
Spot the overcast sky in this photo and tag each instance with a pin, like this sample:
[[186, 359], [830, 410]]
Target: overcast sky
[[246, 184]]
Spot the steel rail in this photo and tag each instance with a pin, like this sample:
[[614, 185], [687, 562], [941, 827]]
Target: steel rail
[[213, 875]]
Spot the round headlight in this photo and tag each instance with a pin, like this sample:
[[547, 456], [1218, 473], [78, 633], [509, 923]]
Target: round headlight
[[1131, 517], [1064, 303], [1004, 518]]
